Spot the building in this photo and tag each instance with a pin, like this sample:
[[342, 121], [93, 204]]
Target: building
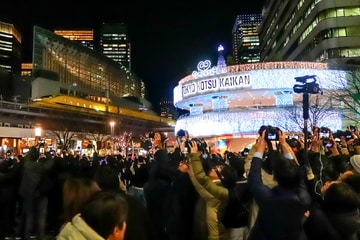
[[115, 43], [167, 109], [78, 70], [91, 91], [246, 43], [85, 37], [231, 107], [313, 30], [26, 69], [10, 48]]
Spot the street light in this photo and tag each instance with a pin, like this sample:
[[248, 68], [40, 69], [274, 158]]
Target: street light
[[37, 134], [112, 124]]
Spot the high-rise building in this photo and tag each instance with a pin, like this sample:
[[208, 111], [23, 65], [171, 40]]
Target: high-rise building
[[246, 41], [84, 37], [168, 110], [10, 48], [320, 31], [115, 44]]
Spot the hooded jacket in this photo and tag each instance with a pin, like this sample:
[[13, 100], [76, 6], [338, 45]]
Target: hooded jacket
[[77, 229]]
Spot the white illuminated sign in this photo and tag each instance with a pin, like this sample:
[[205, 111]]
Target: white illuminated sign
[[204, 69], [228, 82]]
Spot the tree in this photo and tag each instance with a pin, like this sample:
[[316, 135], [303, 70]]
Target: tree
[[320, 108], [347, 95], [99, 139], [123, 141], [63, 138]]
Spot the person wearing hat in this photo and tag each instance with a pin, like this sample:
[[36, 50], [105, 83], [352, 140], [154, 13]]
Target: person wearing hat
[[355, 163]]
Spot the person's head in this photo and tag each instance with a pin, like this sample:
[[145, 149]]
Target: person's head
[[106, 213], [52, 153], [225, 173], [286, 172], [239, 164], [352, 179], [355, 163], [107, 178], [32, 154], [339, 195], [295, 144], [76, 191]]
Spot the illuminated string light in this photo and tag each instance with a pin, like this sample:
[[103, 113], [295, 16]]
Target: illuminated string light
[[219, 123]]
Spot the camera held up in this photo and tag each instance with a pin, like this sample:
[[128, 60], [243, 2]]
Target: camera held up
[[271, 133], [183, 135], [308, 85]]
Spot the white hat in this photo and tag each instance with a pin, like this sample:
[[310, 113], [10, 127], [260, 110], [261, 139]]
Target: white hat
[[355, 162]]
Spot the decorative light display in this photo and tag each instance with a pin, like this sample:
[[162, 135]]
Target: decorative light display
[[270, 77], [196, 109], [219, 123], [219, 103], [204, 69], [285, 99], [221, 63], [268, 66]]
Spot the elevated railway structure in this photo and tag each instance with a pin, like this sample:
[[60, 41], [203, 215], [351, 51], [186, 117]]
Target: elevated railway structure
[[28, 115]]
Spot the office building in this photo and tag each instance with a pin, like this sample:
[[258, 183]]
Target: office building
[[84, 37], [80, 68], [10, 48], [26, 69], [246, 41], [311, 30], [168, 110], [115, 44]]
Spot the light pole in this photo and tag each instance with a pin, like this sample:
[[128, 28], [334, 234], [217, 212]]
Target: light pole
[[112, 125], [307, 85], [37, 134]]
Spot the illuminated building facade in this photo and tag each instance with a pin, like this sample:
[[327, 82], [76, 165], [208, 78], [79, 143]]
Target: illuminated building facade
[[316, 30], [235, 104], [245, 40], [80, 69], [84, 37], [26, 69], [115, 44], [10, 48]]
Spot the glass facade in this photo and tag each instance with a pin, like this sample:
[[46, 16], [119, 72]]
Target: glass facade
[[316, 30], [84, 37], [80, 66], [10, 48]]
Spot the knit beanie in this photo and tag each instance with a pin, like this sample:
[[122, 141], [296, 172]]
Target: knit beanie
[[355, 162]]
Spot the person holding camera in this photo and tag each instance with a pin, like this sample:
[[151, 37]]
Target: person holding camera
[[335, 203], [266, 175], [9, 184], [282, 208], [212, 186], [36, 182], [158, 186]]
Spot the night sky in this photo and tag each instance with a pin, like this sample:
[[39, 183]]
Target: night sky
[[168, 40]]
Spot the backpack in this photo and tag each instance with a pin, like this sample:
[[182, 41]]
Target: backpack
[[237, 209]]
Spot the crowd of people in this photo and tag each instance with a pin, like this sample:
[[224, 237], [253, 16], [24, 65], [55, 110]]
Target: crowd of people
[[289, 189]]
